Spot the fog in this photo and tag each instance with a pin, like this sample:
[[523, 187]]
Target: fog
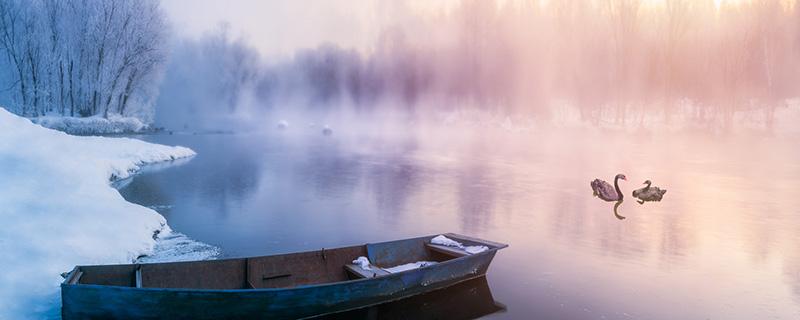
[[617, 62]]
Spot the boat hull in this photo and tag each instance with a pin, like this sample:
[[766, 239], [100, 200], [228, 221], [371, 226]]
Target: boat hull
[[85, 301]]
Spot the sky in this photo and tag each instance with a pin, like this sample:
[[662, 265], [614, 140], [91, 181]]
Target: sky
[[278, 28]]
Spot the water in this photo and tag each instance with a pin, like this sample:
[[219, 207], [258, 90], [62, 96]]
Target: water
[[724, 243]]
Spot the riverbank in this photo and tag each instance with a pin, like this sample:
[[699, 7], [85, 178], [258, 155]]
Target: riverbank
[[114, 124], [59, 209]]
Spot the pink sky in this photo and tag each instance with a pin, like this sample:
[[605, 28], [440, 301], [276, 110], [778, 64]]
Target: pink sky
[[277, 28]]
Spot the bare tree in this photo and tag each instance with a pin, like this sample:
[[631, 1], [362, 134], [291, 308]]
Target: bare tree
[[82, 56]]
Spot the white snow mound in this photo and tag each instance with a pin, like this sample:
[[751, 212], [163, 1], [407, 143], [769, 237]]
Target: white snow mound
[[447, 242], [58, 210], [92, 125]]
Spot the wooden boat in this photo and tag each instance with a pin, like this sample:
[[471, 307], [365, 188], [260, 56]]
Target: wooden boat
[[285, 286]]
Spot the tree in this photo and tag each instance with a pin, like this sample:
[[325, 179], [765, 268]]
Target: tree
[[88, 57]]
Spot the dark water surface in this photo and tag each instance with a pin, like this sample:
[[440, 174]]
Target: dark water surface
[[724, 243]]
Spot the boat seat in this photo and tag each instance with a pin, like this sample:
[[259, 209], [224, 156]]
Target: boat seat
[[361, 273], [450, 251]]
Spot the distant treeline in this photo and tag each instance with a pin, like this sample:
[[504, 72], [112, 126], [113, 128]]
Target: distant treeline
[[81, 57], [607, 58]]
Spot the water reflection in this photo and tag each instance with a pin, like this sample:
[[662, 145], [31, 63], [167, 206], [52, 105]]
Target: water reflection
[[616, 207], [331, 171], [476, 195], [719, 240], [467, 300], [392, 184]]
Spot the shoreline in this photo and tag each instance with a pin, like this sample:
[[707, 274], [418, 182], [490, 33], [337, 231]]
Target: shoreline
[[64, 185]]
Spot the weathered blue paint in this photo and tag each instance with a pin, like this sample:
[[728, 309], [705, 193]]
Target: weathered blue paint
[[87, 301], [471, 299], [396, 252]]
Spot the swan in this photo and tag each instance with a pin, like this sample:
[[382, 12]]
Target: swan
[[605, 191], [649, 193]]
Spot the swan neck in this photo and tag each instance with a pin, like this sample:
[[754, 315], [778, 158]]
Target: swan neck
[[616, 186]]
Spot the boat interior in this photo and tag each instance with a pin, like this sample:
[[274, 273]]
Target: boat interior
[[275, 271]]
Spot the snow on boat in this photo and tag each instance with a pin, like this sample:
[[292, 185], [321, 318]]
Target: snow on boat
[[294, 285]]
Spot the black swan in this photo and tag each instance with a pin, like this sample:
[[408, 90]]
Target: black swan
[[649, 193], [605, 191]]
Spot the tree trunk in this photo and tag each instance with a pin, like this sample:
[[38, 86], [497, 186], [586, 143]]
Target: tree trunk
[[128, 89], [22, 89], [61, 87], [35, 81], [94, 102], [71, 90]]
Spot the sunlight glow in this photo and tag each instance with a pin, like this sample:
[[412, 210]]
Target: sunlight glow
[[728, 3]]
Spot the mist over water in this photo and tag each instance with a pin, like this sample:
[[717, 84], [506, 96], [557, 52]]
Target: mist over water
[[628, 63], [720, 244], [321, 124], [490, 119]]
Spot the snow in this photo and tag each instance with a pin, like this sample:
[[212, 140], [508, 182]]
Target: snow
[[59, 210], [176, 246], [92, 125], [283, 124], [445, 241], [409, 266], [475, 249], [362, 262]]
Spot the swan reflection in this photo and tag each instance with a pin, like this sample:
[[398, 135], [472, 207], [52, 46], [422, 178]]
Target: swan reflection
[[616, 214]]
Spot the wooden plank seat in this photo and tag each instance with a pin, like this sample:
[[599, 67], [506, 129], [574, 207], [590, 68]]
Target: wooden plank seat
[[450, 251], [361, 273]]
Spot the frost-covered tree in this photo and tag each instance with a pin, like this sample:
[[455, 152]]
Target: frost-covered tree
[[206, 79], [81, 57]]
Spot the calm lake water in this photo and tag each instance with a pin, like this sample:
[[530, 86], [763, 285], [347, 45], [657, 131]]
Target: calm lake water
[[724, 243]]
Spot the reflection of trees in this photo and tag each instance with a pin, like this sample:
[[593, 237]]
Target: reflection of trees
[[791, 270], [675, 239], [568, 221], [234, 178], [768, 237], [476, 189], [394, 178], [476, 193], [390, 178], [327, 168], [392, 185]]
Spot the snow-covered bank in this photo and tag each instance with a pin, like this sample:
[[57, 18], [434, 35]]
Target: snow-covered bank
[[92, 125], [57, 209]]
